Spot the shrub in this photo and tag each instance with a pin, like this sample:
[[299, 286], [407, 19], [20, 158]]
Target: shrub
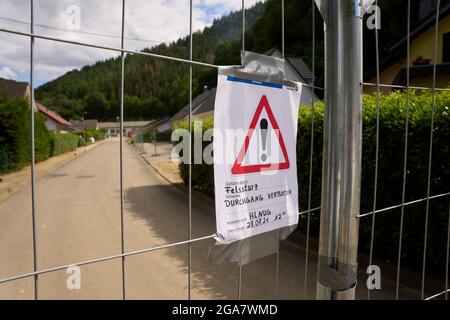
[[202, 174], [15, 135], [90, 133], [81, 142], [96, 134], [390, 175], [164, 135], [149, 136], [63, 142]]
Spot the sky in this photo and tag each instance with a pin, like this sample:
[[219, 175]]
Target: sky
[[147, 23]]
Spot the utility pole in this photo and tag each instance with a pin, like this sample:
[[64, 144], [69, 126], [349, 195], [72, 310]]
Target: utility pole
[[84, 125], [341, 175]]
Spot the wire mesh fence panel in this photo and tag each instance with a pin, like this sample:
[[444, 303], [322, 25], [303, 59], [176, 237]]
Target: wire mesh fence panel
[[143, 142], [401, 203], [405, 199]]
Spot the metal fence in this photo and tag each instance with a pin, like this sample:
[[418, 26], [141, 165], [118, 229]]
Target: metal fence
[[308, 212], [429, 197]]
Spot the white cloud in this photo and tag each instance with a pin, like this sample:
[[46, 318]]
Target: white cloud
[[7, 73], [153, 22]]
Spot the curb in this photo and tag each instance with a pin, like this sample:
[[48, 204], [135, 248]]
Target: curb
[[179, 186]]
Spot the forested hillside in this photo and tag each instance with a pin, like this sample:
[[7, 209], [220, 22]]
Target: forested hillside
[[155, 88]]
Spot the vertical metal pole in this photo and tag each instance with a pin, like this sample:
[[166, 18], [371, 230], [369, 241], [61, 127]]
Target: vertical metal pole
[[33, 169], [342, 149], [308, 222], [282, 28], [377, 147], [277, 270], [352, 147], [243, 25], [243, 50], [405, 154], [430, 155], [122, 88], [448, 255], [190, 153]]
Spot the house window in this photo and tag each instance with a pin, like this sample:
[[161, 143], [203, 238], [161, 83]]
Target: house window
[[446, 48]]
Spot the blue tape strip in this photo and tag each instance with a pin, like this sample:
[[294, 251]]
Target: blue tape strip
[[257, 83]]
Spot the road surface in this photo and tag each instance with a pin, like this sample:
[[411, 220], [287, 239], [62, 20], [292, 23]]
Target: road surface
[[78, 218]]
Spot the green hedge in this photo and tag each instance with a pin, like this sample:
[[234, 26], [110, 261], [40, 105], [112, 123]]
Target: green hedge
[[96, 134], [390, 174], [160, 136], [164, 135], [15, 135], [90, 133], [63, 142], [81, 142]]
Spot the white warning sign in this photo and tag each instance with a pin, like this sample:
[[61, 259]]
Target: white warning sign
[[255, 172]]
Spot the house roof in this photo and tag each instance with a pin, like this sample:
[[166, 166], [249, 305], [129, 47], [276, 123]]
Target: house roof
[[398, 50], [51, 114], [271, 51], [161, 121], [87, 123], [205, 101], [195, 104], [424, 26], [299, 66], [422, 70], [207, 104], [13, 89]]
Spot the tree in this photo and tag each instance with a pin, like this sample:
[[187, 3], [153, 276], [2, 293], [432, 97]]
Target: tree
[[96, 105]]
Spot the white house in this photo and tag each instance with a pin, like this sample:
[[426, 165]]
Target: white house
[[53, 121]]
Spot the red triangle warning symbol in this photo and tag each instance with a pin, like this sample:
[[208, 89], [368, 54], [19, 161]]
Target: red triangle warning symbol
[[238, 168]]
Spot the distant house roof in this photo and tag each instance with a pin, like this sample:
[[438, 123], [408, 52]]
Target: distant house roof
[[299, 66], [126, 124], [53, 115], [87, 123], [205, 101], [195, 103], [207, 104], [271, 51], [13, 89], [160, 121]]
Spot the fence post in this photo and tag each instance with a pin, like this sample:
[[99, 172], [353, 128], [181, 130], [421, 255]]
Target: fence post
[[337, 267]]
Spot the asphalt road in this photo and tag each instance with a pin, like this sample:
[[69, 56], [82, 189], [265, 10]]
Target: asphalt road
[[78, 218]]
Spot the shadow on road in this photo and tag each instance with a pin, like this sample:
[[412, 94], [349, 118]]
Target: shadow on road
[[165, 209]]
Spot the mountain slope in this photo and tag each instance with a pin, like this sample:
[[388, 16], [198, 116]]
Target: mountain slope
[[153, 87]]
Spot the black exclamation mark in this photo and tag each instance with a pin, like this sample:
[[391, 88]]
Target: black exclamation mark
[[263, 125]]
